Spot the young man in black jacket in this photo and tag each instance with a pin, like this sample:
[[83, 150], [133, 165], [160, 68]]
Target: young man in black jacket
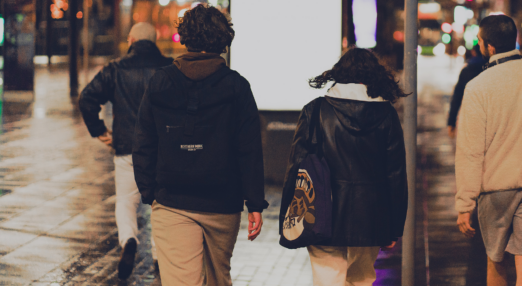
[[123, 83], [197, 155], [474, 67]]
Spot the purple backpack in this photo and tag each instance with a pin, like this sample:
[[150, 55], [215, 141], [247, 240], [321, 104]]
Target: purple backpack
[[308, 218]]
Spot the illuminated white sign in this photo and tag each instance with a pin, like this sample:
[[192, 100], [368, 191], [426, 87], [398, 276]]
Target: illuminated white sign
[[280, 45]]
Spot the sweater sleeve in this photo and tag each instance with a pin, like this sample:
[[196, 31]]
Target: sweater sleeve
[[471, 146], [249, 150]]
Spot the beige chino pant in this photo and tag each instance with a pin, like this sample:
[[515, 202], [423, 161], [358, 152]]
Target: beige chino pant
[[185, 238], [343, 266]]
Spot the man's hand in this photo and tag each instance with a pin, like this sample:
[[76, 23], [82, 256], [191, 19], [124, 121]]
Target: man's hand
[[255, 222], [106, 138], [463, 222], [451, 132], [388, 247]]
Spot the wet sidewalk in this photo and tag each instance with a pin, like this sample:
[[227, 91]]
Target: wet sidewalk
[[57, 223]]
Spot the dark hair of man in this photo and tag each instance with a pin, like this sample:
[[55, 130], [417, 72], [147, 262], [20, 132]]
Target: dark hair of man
[[362, 66], [205, 29], [500, 32]]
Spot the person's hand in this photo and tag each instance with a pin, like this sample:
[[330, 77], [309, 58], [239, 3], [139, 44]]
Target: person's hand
[[451, 132], [463, 221], [255, 222], [388, 247], [106, 138]]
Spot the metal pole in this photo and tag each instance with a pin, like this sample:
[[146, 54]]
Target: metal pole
[[73, 48], [48, 31], [410, 137], [86, 40]]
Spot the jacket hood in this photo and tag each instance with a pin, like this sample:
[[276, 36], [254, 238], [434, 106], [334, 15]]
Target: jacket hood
[[198, 66], [355, 109]]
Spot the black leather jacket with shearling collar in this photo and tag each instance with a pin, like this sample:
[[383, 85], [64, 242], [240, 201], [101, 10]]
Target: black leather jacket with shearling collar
[[364, 147]]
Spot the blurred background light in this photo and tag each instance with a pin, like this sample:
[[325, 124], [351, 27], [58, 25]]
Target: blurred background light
[[398, 36], [446, 38], [164, 2], [181, 2], [1, 31], [446, 28], [127, 3], [439, 50], [429, 8], [461, 50], [365, 23], [462, 14], [213, 2], [182, 12], [176, 38], [497, 13], [194, 4], [458, 28]]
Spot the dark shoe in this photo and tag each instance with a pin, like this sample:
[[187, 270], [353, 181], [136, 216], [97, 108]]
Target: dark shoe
[[127, 259], [156, 267]]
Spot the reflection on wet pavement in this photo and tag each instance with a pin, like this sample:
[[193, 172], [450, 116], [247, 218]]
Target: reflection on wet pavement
[[57, 195]]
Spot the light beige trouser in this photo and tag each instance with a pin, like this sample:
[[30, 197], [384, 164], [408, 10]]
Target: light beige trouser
[[128, 200], [343, 266], [185, 238]]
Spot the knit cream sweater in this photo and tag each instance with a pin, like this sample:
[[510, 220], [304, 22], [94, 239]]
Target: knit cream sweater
[[489, 140]]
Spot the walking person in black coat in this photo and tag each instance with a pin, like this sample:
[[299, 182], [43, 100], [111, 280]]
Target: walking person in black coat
[[198, 156], [123, 82], [363, 145]]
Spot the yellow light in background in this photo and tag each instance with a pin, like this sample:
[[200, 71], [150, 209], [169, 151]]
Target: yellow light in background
[[79, 15]]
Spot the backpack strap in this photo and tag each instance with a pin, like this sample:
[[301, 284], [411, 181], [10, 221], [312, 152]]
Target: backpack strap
[[314, 128]]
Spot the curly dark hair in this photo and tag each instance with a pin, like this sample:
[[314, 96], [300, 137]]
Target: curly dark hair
[[362, 66], [205, 29]]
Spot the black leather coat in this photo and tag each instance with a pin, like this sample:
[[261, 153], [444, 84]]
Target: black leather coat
[[122, 82], [364, 147]]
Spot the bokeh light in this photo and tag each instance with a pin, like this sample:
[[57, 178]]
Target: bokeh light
[[446, 38], [446, 28], [461, 50], [176, 38], [439, 50]]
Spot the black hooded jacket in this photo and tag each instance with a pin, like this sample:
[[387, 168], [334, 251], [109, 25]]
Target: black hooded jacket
[[364, 148], [166, 176], [123, 83]]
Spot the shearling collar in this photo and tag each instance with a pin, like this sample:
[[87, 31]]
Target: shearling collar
[[503, 55], [353, 91]]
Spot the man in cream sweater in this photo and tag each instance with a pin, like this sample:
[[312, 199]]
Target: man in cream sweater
[[489, 149]]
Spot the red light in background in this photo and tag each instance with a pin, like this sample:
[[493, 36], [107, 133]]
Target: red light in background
[[398, 36], [446, 28], [175, 38]]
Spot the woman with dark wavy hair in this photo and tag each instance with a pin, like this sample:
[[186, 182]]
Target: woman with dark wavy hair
[[198, 155], [363, 145]]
